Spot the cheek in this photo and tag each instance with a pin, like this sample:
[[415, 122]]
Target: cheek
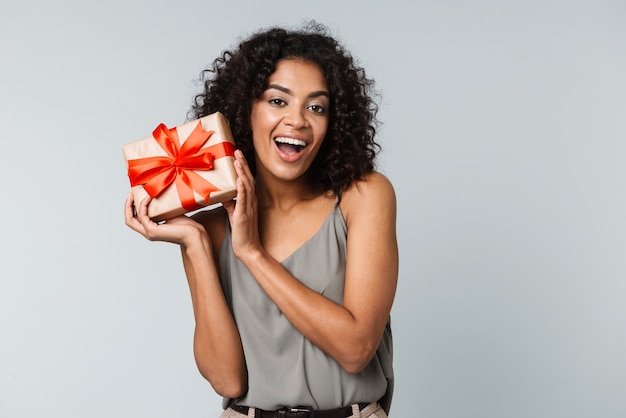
[[322, 131], [263, 122], [256, 139], [257, 117], [254, 121]]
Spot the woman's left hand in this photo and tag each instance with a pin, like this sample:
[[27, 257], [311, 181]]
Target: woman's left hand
[[243, 213]]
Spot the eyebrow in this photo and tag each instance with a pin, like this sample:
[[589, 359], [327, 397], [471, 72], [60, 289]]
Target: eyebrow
[[288, 91]]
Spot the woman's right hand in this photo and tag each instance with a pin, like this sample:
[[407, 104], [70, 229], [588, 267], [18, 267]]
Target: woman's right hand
[[181, 230], [217, 345]]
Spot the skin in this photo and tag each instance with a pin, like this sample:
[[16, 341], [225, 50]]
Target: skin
[[275, 214]]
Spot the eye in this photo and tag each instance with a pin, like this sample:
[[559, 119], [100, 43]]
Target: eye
[[277, 102], [317, 108]]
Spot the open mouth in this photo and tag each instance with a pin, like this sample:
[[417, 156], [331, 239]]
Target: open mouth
[[290, 146]]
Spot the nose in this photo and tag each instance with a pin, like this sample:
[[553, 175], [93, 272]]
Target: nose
[[296, 118]]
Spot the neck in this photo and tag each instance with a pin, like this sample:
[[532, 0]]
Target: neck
[[280, 194]]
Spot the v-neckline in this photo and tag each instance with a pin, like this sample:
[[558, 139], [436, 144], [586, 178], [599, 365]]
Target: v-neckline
[[314, 236]]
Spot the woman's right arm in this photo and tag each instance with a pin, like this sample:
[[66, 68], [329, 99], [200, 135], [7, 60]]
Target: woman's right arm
[[217, 345]]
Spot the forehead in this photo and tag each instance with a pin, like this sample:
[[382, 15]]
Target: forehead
[[298, 74]]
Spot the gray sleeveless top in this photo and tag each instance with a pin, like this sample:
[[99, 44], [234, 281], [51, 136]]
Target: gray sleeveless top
[[284, 368]]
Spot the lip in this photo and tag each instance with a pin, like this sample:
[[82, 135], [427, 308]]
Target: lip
[[290, 158]]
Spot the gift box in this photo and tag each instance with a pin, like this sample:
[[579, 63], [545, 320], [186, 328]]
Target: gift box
[[183, 168]]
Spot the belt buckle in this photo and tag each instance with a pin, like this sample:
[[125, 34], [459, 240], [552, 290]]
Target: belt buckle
[[297, 412]]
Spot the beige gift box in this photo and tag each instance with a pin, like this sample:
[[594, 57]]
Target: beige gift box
[[184, 168]]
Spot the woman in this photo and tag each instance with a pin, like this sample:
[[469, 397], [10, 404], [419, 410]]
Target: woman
[[292, 284]]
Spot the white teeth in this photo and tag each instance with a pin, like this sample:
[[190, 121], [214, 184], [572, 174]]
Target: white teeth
[[291, 141]]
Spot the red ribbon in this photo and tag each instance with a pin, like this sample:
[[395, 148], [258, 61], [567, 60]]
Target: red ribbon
[[180, 165]]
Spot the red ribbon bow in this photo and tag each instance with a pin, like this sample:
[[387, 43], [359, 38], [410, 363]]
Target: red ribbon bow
[[179, 166]]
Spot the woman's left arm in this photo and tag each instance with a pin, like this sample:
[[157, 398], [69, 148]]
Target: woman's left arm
[[349, 333], [352, 335]]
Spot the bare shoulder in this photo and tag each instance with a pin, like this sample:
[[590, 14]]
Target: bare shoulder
[[214, 222], [373, 193]]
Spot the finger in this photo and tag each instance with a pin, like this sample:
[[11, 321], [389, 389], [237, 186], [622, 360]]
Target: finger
[[244, 164], [246, 195], [142, 213], [242, 197], [129, 208], [229, 205], [243, 171], [130, 213]]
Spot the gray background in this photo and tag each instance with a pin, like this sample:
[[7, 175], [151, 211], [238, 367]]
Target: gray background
[[504, 136]]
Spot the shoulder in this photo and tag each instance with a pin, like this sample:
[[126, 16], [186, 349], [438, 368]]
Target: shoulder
[[373, 194], [373, 184], [369, 210]]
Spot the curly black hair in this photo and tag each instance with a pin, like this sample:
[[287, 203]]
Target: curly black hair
[[238, 77]]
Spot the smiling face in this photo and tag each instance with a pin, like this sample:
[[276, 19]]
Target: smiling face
[[290, 119]]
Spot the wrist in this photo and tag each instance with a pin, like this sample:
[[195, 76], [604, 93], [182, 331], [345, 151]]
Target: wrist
[[195, 241], [252, 256]]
